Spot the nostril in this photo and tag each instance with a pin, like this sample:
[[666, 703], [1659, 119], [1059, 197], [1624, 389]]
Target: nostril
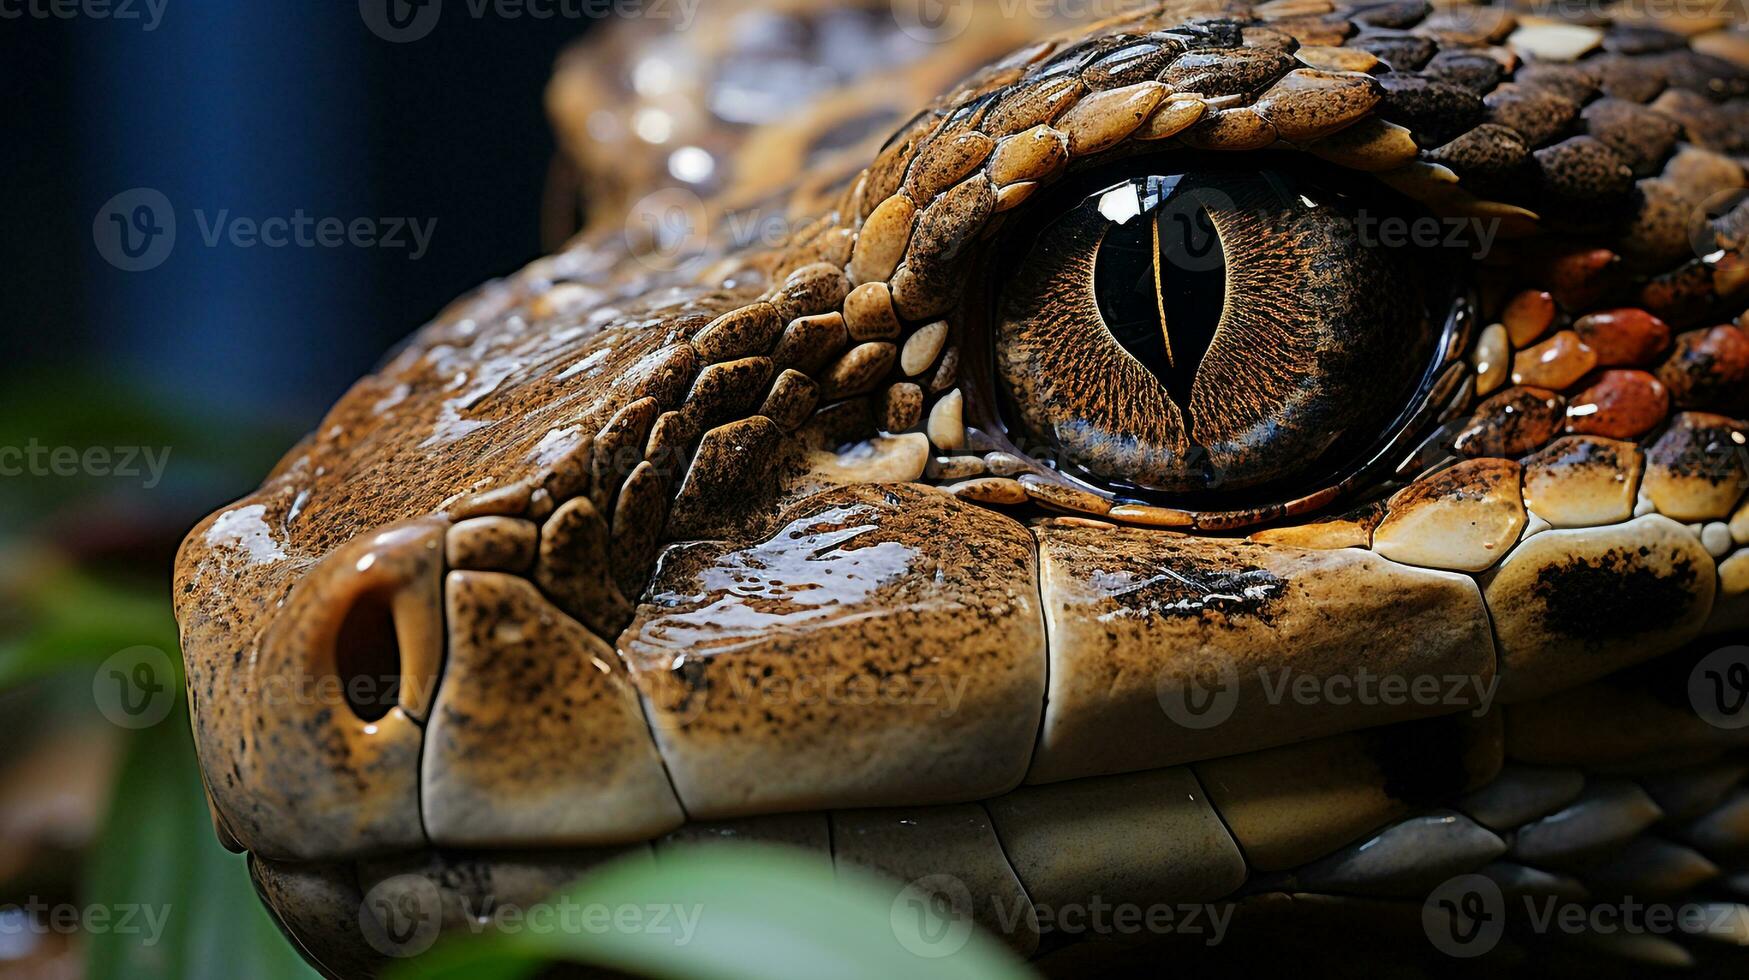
[[367, 655]]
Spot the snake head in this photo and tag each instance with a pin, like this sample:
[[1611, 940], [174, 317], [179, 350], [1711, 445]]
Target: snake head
[[1205, 346]]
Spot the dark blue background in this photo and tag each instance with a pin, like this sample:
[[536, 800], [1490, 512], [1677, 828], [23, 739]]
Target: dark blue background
[[259, 108]]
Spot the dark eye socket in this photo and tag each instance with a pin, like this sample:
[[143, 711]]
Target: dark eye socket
[[1213, 336]]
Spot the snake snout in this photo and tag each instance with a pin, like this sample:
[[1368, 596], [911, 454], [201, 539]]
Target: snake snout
[[342, 678]]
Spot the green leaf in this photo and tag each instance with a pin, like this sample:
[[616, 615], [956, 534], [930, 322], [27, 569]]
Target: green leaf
[[194, 913], [70, 620], [728, 913]]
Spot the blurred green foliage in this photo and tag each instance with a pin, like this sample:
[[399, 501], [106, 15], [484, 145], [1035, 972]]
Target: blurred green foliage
[[760, 912]]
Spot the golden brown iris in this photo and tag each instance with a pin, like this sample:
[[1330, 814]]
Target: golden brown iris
[[1210, 330]]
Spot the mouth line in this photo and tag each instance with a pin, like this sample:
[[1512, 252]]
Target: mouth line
[[1132, 626]]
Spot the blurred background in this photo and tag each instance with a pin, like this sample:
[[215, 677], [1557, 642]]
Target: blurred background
[[133, 402]]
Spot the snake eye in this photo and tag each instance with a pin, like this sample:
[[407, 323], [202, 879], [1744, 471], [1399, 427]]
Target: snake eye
[[1217, 335]]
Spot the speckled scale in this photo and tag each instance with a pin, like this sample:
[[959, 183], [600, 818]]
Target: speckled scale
[[574, 570], [1034, 104], [1491, 155], [1209, 34], [727, 480], [887, 173], [671, 375], [1403, 52], [1575, 83], [1512, 423], [1306, 103], [810, 343], [1709, 369], [791, 400], [1642, 137], [639, 512], [1242, 71], [1131, 59], [741, 333], [1435, 111], [1582, 172], [944, 161], [1634, 39], [727, 390], [859, 371], [1705, 123], [813, 289], [1476, 72], [925, 285], [1631, 79], [1539, 115], [1392, 13], [619, 447], [1469, 25]]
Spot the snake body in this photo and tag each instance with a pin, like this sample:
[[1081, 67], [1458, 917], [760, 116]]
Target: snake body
[[649, 543]]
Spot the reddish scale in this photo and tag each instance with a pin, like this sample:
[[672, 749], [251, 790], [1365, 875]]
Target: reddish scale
[[1527, 316], [1621, 404], [1578, 279], [1556, 363], [1624, 337], [1709, 369]]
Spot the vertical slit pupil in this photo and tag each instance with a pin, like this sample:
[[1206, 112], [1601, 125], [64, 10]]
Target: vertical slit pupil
[[1161, 284]]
